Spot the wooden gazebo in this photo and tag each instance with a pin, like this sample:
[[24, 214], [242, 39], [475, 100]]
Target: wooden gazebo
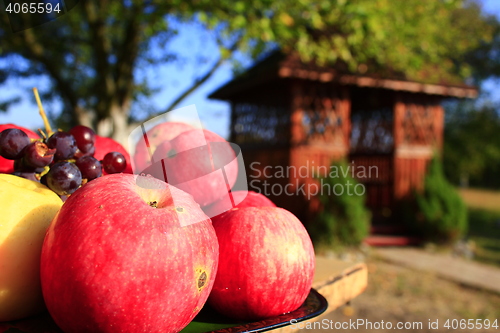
[[287, 113]]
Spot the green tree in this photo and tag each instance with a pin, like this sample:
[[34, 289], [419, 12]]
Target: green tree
[[93, 54], [485, 59], [441, 214], [471, 151], [343, 220]]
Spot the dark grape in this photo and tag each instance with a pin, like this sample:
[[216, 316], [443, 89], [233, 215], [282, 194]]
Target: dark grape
[[27, 175], [12, 143], [64, 178], [89, 167], [79, 154], [65, 145], [84, 137], [114, 162], [38, 155], [20, 165]]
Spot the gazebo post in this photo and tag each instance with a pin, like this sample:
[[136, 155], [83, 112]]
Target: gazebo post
[[345, 106], [398, 114], [296, 114]]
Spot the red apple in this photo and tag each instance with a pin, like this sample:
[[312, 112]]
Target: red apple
[[199, 162], [7, 166], [104, 145], [238, 199], [155, 136], [128, 253], [266, 263]]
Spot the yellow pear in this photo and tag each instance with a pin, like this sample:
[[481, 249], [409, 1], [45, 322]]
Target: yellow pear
[[26, 210]]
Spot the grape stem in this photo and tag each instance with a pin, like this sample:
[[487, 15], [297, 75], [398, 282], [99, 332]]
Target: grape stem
[[45, 171], [42, 133], [48, 129]]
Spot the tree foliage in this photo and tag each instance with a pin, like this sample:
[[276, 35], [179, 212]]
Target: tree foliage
[[471, 152], [440, 214], [343, 219], [485, 58], [94, 55]]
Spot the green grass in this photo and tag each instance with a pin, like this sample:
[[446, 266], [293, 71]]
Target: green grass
[[484, 230], [484, 223], [481, 199]]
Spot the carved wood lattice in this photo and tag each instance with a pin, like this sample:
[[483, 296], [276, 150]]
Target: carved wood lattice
[[322, 117], [260, 124], [418, 125]]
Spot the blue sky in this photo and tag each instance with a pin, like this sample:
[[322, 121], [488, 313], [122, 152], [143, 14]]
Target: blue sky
[[173, 79]]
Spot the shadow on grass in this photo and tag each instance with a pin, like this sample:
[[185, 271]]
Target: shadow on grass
[[490, 246], [484, 230]]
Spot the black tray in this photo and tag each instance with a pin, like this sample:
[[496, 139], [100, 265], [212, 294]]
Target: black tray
[[210, 321], [206, 321]]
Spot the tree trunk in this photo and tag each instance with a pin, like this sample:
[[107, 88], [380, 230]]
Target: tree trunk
[[84, 117], [116, 125]]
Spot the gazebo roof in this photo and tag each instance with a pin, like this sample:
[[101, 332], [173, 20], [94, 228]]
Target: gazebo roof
[[278, 66]]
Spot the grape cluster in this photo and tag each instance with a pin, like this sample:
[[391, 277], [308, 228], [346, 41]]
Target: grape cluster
[[64, 161]]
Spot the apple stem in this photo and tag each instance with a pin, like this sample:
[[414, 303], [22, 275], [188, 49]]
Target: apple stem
[[48, 129]]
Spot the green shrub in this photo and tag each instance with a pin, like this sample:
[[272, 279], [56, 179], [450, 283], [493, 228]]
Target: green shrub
[[343, 219], [441, 214]]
